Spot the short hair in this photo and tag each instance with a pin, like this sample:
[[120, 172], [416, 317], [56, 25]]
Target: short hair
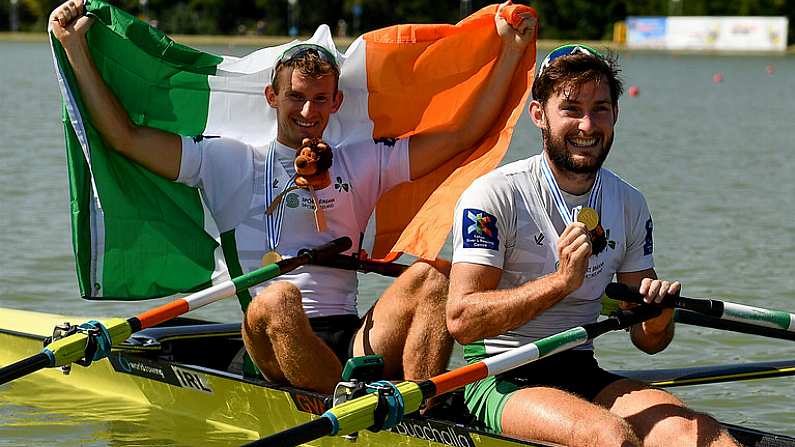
[[310, 60], [575, 69]]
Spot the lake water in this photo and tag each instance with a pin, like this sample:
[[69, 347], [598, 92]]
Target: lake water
[[713, 159]]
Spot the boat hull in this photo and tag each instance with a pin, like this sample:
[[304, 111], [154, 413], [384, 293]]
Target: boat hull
[[168, 370]]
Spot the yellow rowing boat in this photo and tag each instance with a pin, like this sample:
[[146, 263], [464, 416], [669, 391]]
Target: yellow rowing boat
[[190, 369]]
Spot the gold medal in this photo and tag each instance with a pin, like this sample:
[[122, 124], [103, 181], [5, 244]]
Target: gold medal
[[589, 217], [271, 257]]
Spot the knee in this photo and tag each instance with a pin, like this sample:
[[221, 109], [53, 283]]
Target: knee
[[276, 300], [427, 281], [693, 429]]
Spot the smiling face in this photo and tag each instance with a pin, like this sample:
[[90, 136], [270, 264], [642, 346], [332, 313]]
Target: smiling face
[[303, 105], [577, 123]]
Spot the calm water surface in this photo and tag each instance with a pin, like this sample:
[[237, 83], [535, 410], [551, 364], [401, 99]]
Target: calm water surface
[[714, 160]]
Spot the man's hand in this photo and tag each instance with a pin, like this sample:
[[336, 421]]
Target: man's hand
[[574, 249], [654, 290], [68, 22], [515, 37]]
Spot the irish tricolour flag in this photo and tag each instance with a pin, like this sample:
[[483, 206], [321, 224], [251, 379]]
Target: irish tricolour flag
[[137, 236]]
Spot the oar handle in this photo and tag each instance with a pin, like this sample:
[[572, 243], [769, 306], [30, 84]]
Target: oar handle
[[318, 254], [622, 319], [343, 262], [623, 292]]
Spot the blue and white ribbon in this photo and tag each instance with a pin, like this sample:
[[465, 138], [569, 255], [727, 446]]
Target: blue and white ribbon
[[273, 221], [569, 215]]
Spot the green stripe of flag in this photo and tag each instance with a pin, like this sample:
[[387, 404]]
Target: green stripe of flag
[[153, 230]]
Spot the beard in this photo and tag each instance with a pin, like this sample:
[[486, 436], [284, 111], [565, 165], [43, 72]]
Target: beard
[[562, 158]]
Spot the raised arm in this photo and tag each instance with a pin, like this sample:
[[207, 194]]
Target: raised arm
[[435, 146], [157, 150]]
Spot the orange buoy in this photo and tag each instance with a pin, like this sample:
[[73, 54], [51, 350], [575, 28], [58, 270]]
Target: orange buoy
[[633, 90], [717, 78]]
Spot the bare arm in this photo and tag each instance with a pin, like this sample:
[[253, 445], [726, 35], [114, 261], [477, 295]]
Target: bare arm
[[433, 147], [476, 310], [157, 150], [651, 336]]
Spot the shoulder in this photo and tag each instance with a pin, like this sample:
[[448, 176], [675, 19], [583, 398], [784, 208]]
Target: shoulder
[[212, 145], [628, 193], [492, 184], [501, 181], [215, 154], [491, 193], [211, 142], [376, 144]]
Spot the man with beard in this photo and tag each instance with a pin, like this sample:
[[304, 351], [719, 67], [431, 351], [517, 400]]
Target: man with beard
[[535, 244]]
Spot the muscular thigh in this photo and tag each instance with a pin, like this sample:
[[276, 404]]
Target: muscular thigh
[[550, 414], [383, 331]]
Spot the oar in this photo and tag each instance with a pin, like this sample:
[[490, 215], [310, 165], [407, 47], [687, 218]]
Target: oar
[[718, 314], [393, 401], [353, 262], [93, 340]]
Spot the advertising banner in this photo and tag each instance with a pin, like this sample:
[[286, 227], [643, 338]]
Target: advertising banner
[[708, 33]]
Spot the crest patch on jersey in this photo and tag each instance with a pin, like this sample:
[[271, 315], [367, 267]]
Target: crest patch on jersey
[[648, 245], [480, 230]]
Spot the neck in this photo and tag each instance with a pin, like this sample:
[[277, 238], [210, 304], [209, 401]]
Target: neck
[[281, 140], [571, 182]]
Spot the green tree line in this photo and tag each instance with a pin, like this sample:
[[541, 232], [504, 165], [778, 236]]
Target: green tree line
[[560, 19]]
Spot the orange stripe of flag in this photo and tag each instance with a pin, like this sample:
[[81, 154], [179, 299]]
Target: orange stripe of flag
[[418, 77]]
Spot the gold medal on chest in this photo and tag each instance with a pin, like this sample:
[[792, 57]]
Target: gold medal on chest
[[589, 217], [271, 257]]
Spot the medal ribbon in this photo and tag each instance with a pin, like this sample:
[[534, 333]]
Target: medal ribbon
[[567, 215], [273, 221]]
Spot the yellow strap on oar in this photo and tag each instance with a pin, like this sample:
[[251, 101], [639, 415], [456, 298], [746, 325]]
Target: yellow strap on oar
[[66, 350], [351, 416]]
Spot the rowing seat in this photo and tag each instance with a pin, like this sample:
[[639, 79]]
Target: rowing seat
[[190, 341]]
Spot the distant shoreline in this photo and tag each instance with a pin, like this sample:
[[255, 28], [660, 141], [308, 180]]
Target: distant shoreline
[[344, 42]]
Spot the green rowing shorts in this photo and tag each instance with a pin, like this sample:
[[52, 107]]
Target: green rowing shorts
[[574, 371]]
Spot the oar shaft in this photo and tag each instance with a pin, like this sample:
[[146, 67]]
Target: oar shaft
[[685, 316], [359, 414], [231, 287], [391, 269], [301, 434], [500, 363], [98, 337], [724, 310], [24, 367]]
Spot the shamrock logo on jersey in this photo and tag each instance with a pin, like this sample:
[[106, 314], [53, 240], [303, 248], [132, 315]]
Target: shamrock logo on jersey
[[339, 186]]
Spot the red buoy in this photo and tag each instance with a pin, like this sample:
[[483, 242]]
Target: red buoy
[[770, 69], [633, 90], [717, 78]]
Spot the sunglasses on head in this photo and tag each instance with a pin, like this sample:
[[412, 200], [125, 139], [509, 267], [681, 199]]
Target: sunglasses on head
[[568, 50], [303, 49]]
